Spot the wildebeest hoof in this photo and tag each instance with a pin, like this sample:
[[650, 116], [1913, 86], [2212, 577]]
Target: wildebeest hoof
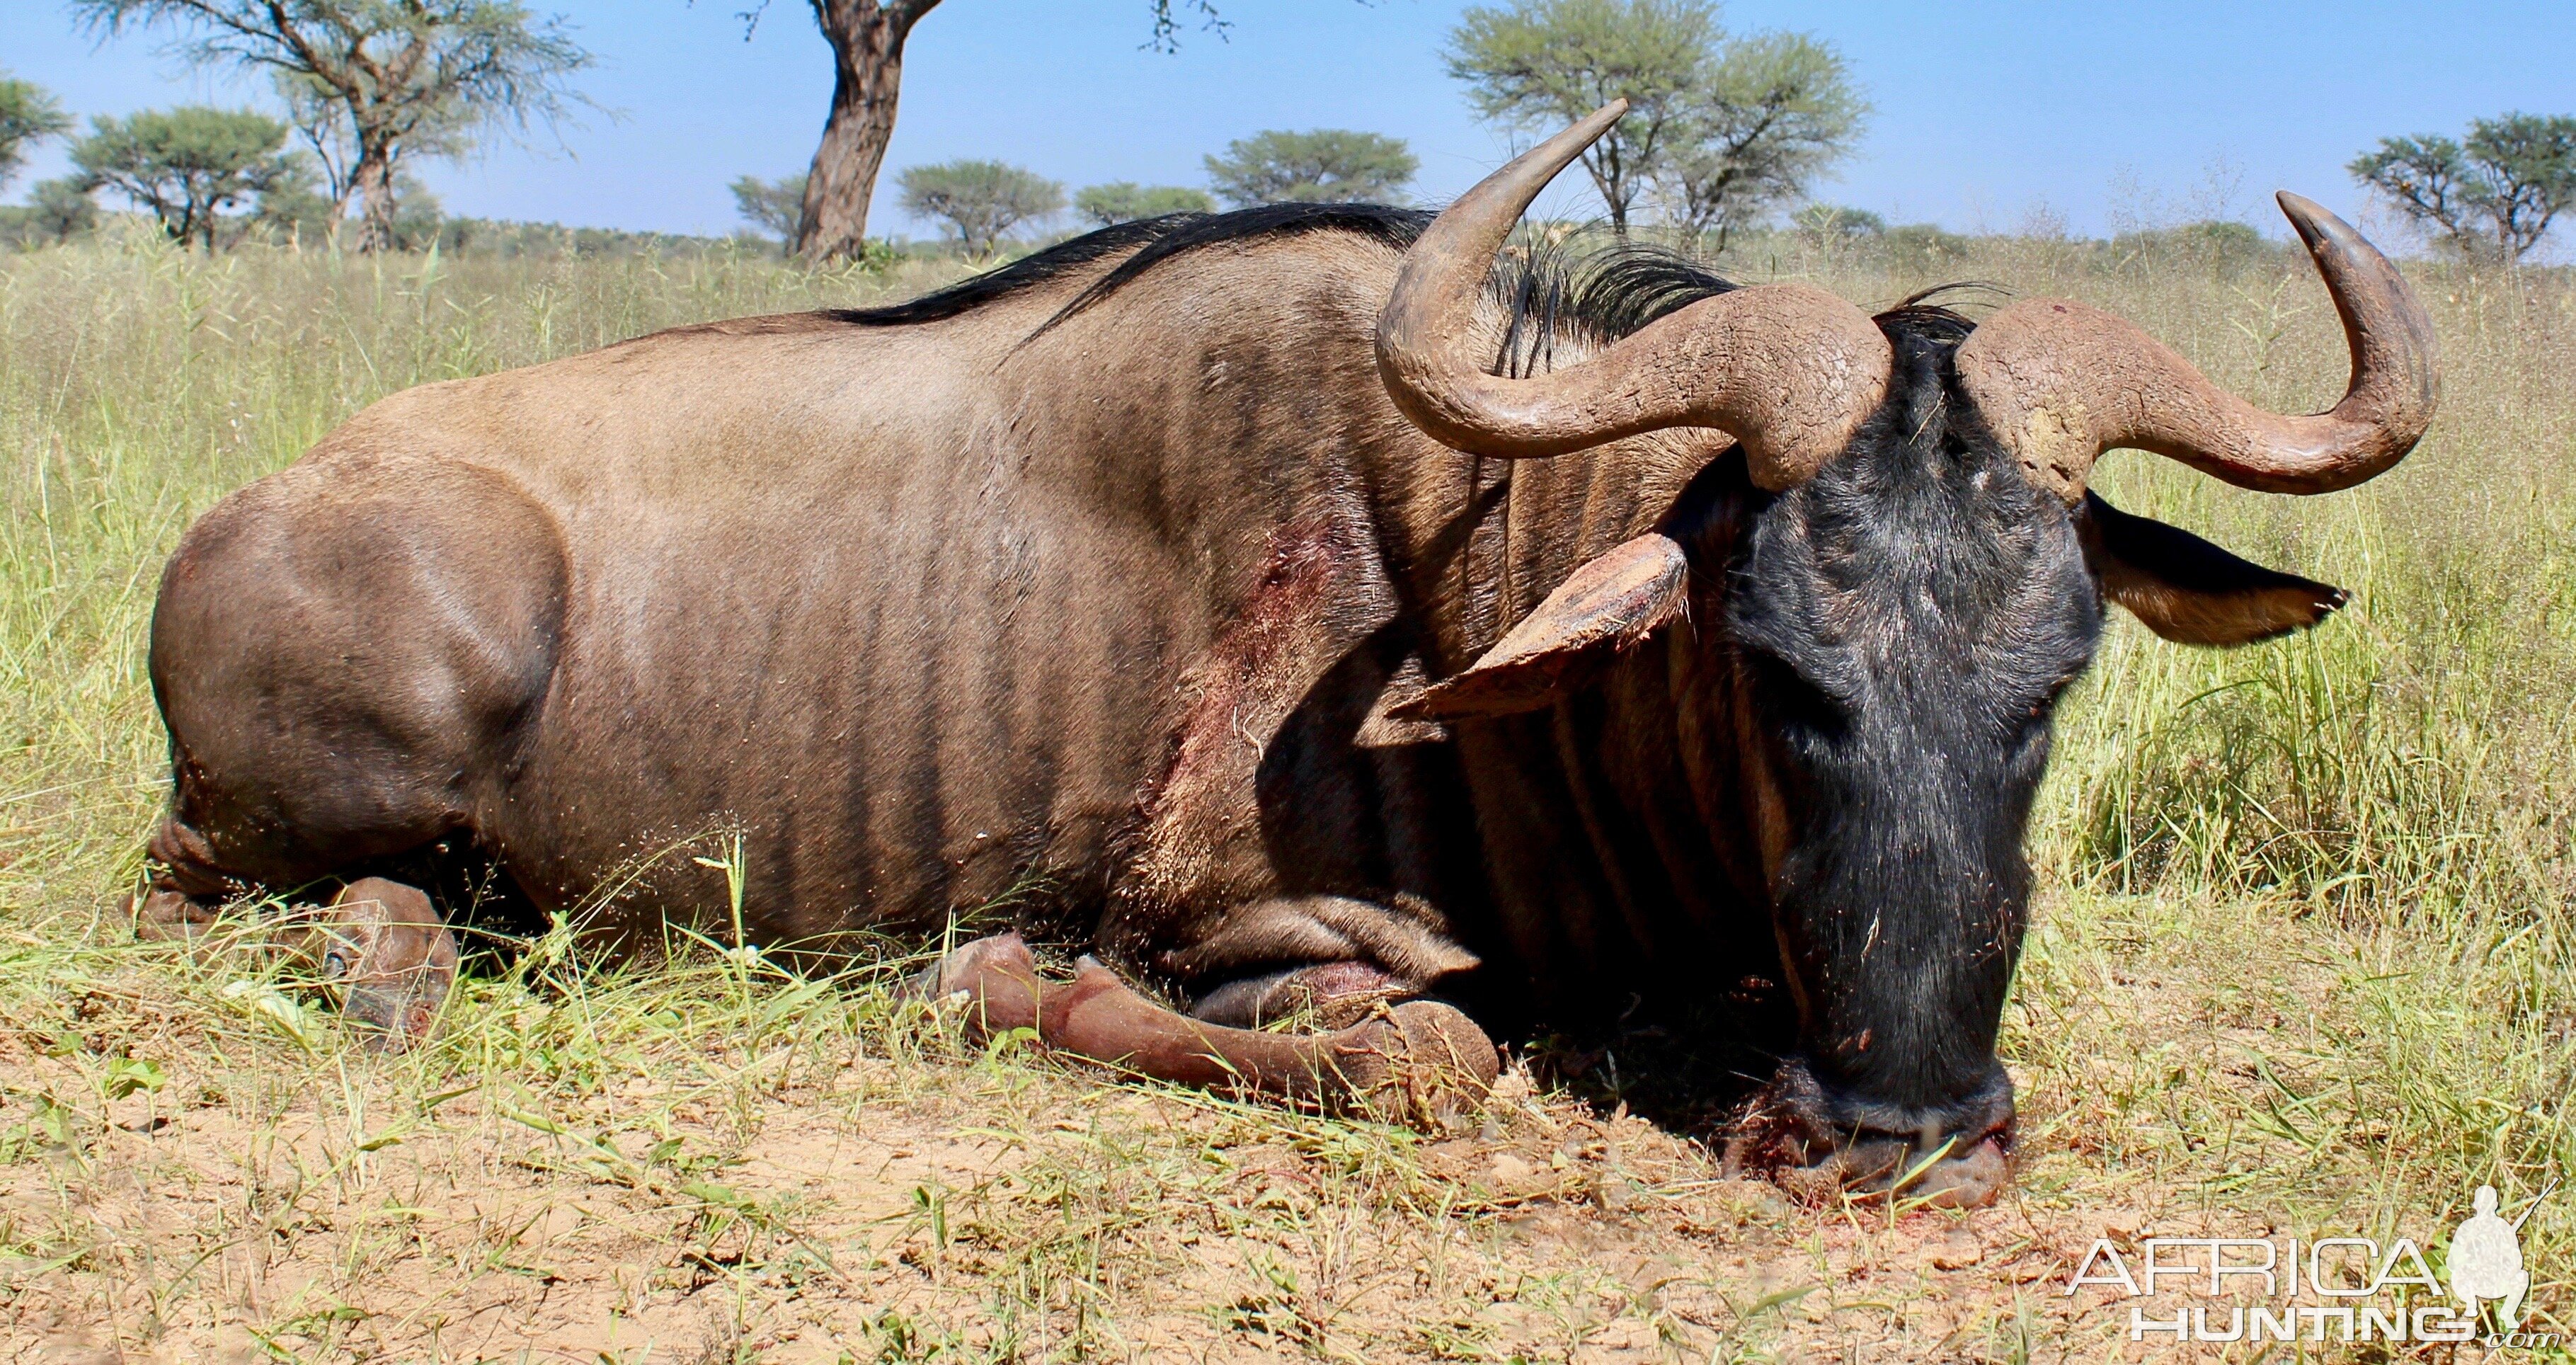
[[1423, 1064], [382, 945], [972, 968], [1420, 1063], [166, 916]]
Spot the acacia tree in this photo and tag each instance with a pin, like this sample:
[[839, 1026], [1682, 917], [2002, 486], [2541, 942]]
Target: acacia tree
[[1325, 166], [2491, 196], [773, 206], [1125, 201], [59, 210], [1538, 65], [1726, 128], [374, 82], [867, 38], [981, 200], [187, 165], [27, 114], [1774, 112]]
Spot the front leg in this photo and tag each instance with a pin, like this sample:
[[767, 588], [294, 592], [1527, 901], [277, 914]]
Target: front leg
[[1331, 994], [1420, 1062]]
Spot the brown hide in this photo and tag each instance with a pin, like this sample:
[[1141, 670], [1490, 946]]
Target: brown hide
[[932, 615]]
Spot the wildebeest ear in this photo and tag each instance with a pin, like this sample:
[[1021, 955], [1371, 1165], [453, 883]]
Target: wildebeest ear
[[1607, 605], [2190, 591]]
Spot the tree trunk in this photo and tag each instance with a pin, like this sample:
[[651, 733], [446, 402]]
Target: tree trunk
[[1609, 176], [373, 178], [867, 47]]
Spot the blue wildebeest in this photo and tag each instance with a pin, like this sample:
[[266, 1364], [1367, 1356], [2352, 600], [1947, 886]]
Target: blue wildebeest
[[1297, 610]]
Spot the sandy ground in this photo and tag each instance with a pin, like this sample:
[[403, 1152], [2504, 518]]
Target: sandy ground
[[819, 1190]]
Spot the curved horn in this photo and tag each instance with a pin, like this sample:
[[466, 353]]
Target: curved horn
[[1788, 370], [2060, 383]]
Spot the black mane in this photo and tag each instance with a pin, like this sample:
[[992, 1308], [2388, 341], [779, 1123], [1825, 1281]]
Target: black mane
[[1160, 239], [1552, 288], [1028, 272]]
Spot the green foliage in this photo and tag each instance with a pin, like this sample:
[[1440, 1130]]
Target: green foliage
[[371, 82], [2216, 244], [187, 165], [1125, 201], [27, 114], [979, 201], [2491, 197], [1323, 166], [1728, 128], [60, 210], [1923, 248], [1835, 222], [1773, 114], [775, 207], [1538, 65], [292, 207]]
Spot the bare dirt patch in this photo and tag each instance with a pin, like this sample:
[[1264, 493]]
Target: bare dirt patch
[[715, 1164]]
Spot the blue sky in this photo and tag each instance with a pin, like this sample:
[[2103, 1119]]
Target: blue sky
[[1988, 110]]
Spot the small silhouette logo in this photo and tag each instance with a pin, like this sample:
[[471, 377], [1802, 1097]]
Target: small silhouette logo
[[2486, 1259]]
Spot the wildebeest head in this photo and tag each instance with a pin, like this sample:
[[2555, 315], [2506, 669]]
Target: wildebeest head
[[1922, 574]]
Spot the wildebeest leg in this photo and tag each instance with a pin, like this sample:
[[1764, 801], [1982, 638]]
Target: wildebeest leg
[[1420, 1061], [1334, 994], [394, 961], [186, 888], [162, 915]]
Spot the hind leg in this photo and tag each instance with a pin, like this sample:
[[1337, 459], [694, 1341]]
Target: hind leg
[[1334, 994], [347, 655], [394, 961], [163, 916]]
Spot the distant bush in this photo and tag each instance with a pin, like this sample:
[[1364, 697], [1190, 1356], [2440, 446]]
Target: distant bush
[[2218, 243], [56, 211], [1835, 221], [1923, 247], [1124, 201], [292, 207], [503, 239], [775, 207], [980, 201], [1327, 165]]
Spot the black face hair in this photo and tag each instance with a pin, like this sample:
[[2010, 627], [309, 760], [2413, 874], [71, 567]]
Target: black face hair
[[1909, 617]]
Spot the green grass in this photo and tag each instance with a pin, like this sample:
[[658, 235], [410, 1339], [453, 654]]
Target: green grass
[[2303, 962]]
